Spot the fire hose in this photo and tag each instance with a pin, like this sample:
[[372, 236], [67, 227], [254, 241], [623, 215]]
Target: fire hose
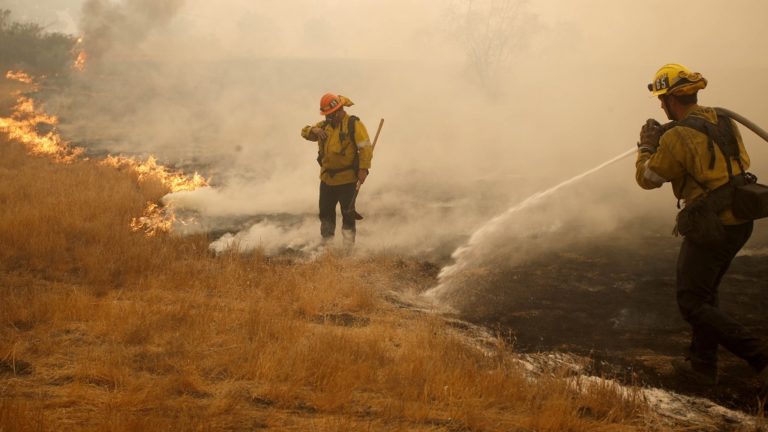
[[351, 211], [746, 122], [726, 113]]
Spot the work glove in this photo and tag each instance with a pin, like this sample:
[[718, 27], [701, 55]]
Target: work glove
[[318, 133], [649, 136]]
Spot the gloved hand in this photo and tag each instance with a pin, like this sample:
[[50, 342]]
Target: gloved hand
[[318, 133], [649, 136]]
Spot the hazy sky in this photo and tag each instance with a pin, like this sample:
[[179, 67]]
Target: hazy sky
[[630, 31]]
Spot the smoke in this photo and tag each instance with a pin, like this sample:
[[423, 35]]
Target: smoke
[[118, 29], [54, 15], [491, 241], [270, 239], [481, 112]]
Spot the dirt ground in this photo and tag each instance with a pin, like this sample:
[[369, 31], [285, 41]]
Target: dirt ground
[[613, 299]]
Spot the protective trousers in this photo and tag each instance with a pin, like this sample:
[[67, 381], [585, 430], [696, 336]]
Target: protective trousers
[[329, 197], [700, 268]]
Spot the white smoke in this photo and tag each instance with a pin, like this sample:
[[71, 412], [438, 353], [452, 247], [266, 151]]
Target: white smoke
[[270, 239], [513, 237], [481, 112]]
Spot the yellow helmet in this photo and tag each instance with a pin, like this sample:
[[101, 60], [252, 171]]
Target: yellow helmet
[[676, 79]]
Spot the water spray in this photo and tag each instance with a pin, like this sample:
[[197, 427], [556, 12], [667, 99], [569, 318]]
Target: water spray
[[461, 255], [490, 229]]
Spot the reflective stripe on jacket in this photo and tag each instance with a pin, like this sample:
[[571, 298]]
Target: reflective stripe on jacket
[[683, 158], [338, 155]]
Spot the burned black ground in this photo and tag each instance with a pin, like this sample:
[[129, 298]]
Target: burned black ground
[[612, 298]]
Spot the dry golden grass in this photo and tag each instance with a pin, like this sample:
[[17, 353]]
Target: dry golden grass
[[103, 329]]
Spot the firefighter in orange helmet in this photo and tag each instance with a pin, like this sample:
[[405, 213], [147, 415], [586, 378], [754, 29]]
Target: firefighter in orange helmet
[[701, 153], [344, 154]]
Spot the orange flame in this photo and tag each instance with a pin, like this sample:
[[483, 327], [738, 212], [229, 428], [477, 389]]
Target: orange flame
[[19, 76], [79, 64], [176, 181], [156, 219], [81, 57], [25, 125]]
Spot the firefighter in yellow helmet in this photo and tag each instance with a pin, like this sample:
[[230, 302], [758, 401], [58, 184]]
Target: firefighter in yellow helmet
[[344, 155], [701, 153]]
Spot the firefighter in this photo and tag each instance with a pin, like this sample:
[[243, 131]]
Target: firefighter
[[691, 153], [344, 155]]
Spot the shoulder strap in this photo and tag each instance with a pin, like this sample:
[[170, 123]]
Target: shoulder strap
[[730, 145], [350, 129], [720, 134], [701, 125], [349, 136]]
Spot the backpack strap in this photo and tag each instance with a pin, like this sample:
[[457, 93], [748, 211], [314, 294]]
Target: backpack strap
[[720, 134], [702, 125], [349, 135], [351, 130], [731, 143]]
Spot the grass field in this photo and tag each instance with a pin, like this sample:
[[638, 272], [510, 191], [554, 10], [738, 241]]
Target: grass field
[[105, 329]]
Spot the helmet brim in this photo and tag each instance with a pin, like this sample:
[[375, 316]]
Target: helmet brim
[[332, 110]]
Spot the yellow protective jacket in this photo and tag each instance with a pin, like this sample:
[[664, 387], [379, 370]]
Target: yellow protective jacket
[[683, 153], [337, 153]]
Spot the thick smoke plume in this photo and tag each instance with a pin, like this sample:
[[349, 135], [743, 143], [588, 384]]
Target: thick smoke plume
[[481, 113]]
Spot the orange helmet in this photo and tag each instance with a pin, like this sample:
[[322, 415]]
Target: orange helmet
[[330, 103]]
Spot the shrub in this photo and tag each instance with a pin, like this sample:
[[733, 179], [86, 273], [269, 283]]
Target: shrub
[[30, 47]]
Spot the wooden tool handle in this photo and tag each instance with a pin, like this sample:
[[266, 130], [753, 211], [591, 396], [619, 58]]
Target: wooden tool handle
[[378, 131]]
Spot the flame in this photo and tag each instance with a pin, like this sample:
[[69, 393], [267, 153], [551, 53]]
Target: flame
[[79, 64], [25, 125], [19, 76], [81, 57], [175, 181], [156, 219]]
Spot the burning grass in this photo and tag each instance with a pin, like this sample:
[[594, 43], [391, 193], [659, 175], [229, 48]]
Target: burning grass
[[29, 124], [102, 328]]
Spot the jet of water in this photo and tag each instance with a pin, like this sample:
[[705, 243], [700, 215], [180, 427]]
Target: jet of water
[[462, 255]]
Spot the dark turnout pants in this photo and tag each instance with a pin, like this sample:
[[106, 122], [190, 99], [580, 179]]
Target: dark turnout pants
[[700, 268], [329, 197]]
